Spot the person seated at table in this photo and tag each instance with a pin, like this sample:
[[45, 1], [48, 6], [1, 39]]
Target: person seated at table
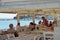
[[50, 27], [11, 29], [45, 21], [55, 23], [31, 26], [40, 25], [18, 27]]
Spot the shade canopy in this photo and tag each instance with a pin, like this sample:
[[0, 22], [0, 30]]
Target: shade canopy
[[33, 11], [30, 6]]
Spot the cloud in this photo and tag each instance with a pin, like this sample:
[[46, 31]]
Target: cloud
[[6, 16]]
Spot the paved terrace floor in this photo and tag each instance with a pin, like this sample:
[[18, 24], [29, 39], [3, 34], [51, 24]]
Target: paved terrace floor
[[57, 32]]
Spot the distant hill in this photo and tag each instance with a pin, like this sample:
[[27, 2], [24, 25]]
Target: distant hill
[[23, 17], [27, 17], [36, 17]]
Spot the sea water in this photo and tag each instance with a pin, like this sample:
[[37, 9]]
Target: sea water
[[4, 24]]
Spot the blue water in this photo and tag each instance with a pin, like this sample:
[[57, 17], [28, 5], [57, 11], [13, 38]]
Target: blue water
[[4, 24]]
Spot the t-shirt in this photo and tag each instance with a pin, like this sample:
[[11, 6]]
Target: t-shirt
[[18, 28], [45, 22], [10, 30], [40, 25], [31, 26]]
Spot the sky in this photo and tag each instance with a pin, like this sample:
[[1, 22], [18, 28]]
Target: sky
[[6, 16]]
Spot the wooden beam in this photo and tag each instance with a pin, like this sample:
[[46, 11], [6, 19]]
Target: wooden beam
[[44, 11]]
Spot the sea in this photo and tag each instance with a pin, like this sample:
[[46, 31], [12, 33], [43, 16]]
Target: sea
[[4, 24]]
